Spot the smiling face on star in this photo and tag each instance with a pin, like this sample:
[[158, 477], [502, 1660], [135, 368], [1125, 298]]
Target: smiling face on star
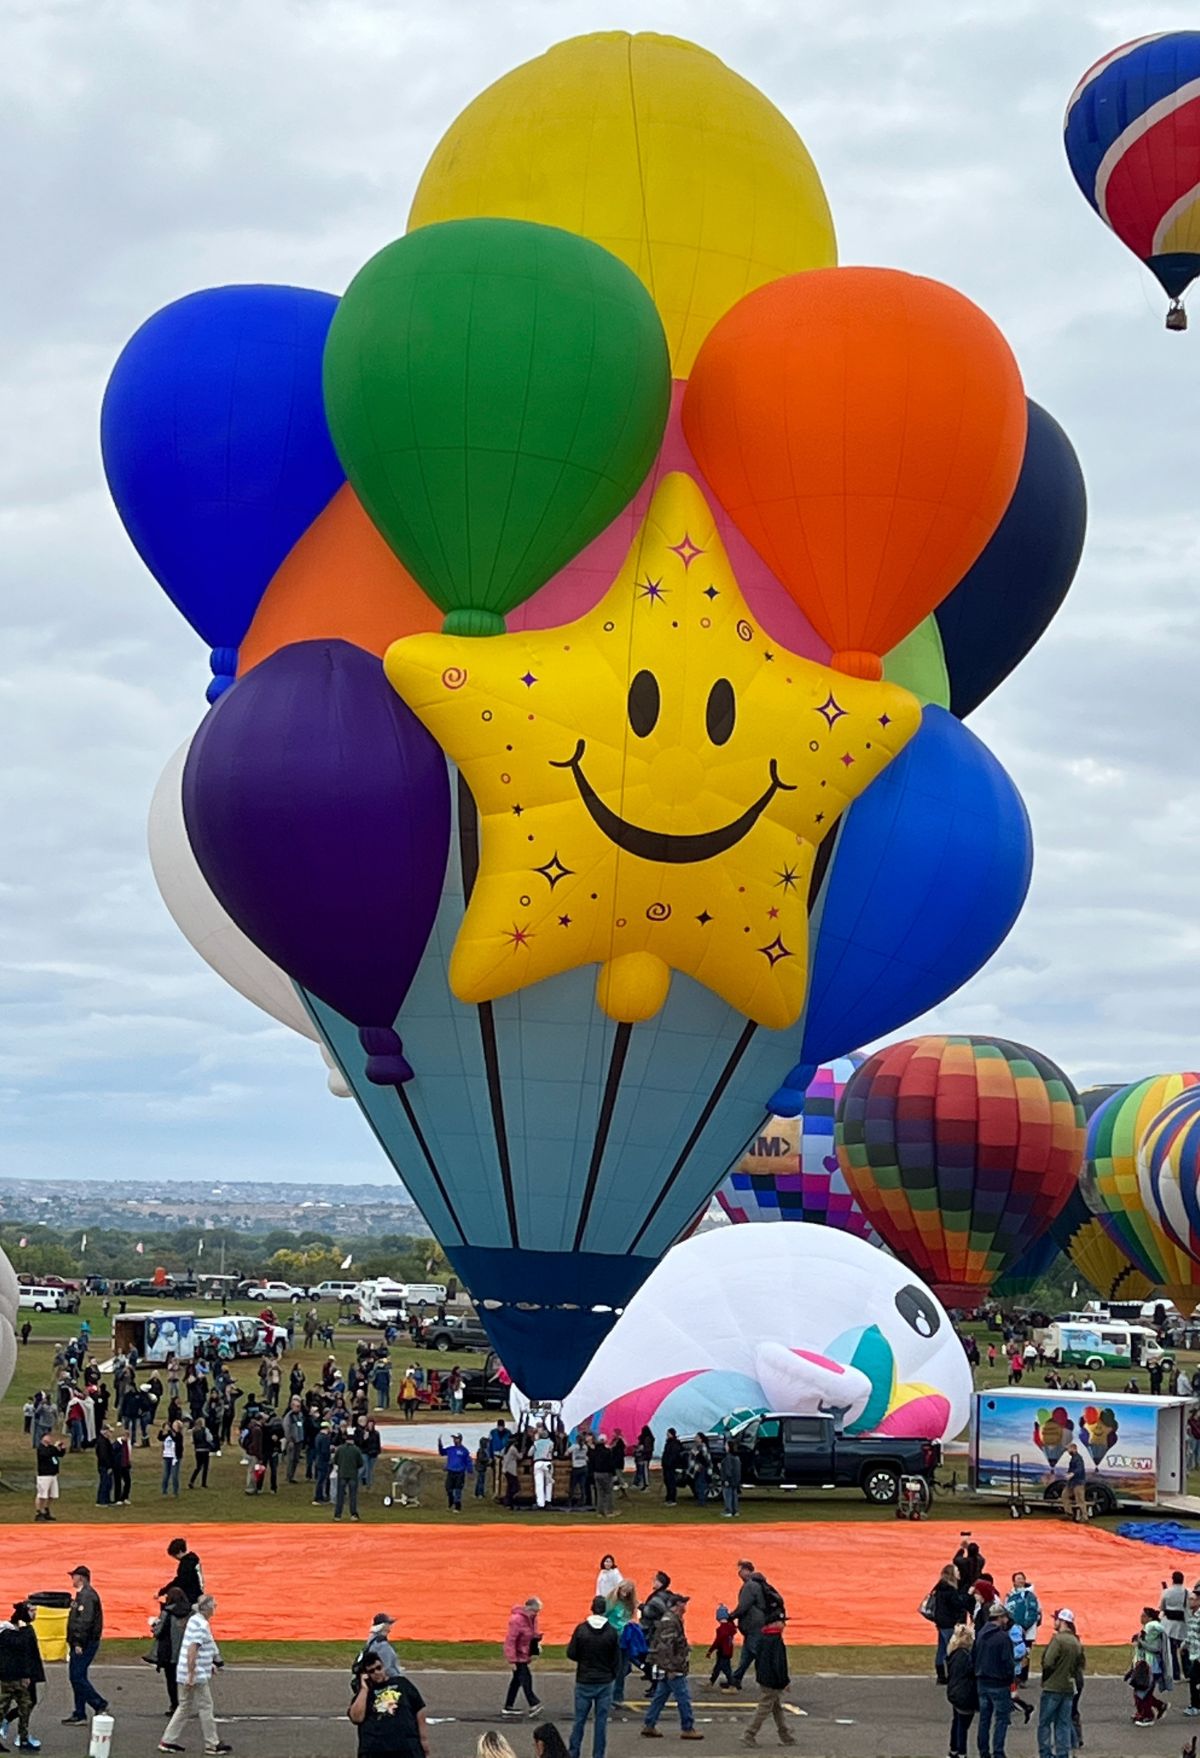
[[652, 781]]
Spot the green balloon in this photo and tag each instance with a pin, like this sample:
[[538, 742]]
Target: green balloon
[[496, 392]]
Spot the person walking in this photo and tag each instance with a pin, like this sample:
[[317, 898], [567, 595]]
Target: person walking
[[771, 1673], [85, 1626], [670, 1657], [1191, 1652], [750, 1615], [202, 1446], [171, 1440], [994, 1672], [198, 1655], [322, 1463], [948, 1607], [188, 1576], [379, 1643], [608, 1579], [389, 1714], [522, 1641], [1147, 1669], [122, 1468], [721, 1647], [104, 1466], [458, 1463], [1172, 1607], [167, 1630], [349, 1462], [1062, 1676], [673, 1457], [1074, 1498], [595, 1648], [643, 1454], [962, 1692], [21, 1672], [731, 1479]]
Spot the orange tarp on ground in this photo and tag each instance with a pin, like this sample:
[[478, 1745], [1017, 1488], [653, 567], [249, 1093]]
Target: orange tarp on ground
[[853, 1583]]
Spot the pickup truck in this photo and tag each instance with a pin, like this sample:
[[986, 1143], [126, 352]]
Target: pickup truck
[[790, 1452], [454, 1332]]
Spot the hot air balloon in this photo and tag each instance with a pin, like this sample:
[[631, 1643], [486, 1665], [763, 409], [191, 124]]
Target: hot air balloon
[[1113, 1189], [790, 1171], [565, 1033], [960, 1151], [1086, 1238], [1132, 135], [1168, 1166]]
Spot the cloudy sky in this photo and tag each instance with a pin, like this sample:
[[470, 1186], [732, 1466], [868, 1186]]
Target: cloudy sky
[[153, 149]]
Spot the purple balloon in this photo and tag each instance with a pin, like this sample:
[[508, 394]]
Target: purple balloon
[[318, 808]]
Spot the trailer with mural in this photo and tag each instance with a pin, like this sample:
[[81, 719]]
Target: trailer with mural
[[1134, 1449]]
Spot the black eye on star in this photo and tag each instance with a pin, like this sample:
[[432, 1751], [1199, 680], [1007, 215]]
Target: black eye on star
[[644, 704]]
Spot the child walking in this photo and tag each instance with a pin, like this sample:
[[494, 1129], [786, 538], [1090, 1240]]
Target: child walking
[[722, 1648]]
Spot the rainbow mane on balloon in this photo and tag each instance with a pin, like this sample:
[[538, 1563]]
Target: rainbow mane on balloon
[[594, 593]]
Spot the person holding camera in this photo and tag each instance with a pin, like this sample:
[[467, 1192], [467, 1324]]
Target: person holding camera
[[388, 1713]]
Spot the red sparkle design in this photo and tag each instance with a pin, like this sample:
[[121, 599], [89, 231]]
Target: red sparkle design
[[687, 551], [519, 936]]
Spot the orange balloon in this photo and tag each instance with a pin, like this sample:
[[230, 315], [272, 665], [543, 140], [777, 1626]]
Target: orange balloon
[[864, 428], [339, 581]]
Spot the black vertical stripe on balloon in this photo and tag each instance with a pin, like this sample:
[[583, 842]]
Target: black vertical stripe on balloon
[[701, 1123], [612, 1085], [468, 837], [427, 1156]]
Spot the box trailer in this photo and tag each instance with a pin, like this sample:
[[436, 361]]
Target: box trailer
[[1134, 1449], [156, 1335]]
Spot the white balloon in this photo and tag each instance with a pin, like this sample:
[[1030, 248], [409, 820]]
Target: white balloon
[[8, 1320], [798, 1319], [203, 921], [9, 1291]]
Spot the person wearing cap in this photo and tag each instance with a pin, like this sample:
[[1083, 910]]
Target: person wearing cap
[[458, 1463], [85, 1626], [1062, 1674], [379, 1643], [670, 1658], [349, 1462], [994, 1671]]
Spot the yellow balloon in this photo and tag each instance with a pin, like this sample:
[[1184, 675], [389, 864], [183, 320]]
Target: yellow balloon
[[653, 148]]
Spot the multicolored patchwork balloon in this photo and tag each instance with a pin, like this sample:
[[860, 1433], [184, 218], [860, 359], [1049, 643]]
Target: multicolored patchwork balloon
[[961, 1151], [1132, 135], [1168, 1174], [1112, 1187], [791, 1171]]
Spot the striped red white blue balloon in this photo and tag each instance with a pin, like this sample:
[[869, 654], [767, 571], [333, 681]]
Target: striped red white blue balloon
[[1132, 135], [1169, 1170]]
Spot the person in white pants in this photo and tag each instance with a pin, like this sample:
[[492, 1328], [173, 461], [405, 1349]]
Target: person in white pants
[[543, 1469], [198, 1654]]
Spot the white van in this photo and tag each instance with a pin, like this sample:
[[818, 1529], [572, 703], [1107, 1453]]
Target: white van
[[424, 1293], [43, 1299], [1096, 1343]]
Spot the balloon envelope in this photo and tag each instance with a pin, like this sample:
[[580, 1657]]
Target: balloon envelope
[[1132, 135], [216, 447], [1112, 1186], [792, 1319], [1003, 604], [960, 1151]]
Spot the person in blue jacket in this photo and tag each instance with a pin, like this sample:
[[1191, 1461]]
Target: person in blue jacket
[[994, 1672], [458, 1463]]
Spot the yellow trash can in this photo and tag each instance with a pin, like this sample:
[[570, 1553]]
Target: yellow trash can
[[50, 1625]]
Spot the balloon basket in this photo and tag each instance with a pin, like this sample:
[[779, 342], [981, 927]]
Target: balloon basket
[[1176, 316]]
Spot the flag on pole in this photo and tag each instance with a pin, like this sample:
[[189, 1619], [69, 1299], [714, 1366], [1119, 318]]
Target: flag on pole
[[1074, 1289], [346, 1261], [83, 1244], [140, 1248], [200, 1249], [24, 1241]]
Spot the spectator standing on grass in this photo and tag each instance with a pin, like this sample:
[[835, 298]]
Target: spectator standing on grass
[[122, 1468], [198, 1655], [370, 1445], [670, 1657], [388, 1714], [510, 1470], [961, 1689], [49, 1459], [522, 1641], [596, 1650], [458, 1463], [293, 1437], [603, 1471], [543, 1468], [85, 1626], [41, 1423], [202, 1446], [731, 1479], [349, 1462], [1062, 1678], [483, 1460], [322, 1463], [408, 1393], [577, 1453], [104, 1467], [994, 1672], [643, 1454], [673, 1457]]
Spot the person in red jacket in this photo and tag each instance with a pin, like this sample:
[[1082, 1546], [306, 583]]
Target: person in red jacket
[[522, 1641], [722, 1648]]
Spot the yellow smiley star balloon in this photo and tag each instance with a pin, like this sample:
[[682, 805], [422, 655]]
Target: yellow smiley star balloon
[[652, 781]]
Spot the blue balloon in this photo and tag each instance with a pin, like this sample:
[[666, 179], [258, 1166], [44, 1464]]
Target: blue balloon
[[928, 874], [217, 451], [1002, 606]]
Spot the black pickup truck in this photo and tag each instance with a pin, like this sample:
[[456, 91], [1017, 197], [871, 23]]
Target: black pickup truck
[[793, 1452]]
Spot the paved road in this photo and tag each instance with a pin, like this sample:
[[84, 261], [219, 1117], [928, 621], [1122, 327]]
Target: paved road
[[299, 1713]]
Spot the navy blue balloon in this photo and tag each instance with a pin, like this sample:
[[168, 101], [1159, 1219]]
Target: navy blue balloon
[[929, 872], [217, 451], [1001, 607]]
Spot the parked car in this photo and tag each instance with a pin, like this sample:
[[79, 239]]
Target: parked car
[[454, 1332], [781, 1451], [146, 1288], [345, 1293], [271, 1292]]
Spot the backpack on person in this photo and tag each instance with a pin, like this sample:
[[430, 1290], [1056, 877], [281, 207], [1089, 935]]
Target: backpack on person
[[633, 1643], [773, 1606]]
